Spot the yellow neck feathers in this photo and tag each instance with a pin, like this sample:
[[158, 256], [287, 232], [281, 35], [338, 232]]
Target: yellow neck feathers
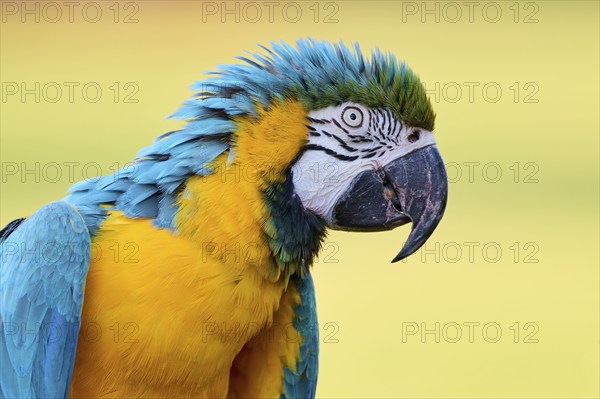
[[225, 212]]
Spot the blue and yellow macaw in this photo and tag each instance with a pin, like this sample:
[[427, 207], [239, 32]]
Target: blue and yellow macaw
[[187, 274]]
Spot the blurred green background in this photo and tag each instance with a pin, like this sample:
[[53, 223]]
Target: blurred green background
[[502, 302]]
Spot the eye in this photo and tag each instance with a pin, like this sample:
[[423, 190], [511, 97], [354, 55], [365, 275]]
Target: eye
[[352, 117], [414, 136]]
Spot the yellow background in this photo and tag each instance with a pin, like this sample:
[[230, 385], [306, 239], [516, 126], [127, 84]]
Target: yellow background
[[364, 301]]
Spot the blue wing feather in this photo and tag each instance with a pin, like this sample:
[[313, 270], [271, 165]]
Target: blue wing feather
[[43, 266], [303, 382]]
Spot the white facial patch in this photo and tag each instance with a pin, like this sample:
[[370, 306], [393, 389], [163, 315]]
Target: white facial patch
[[344, 141]]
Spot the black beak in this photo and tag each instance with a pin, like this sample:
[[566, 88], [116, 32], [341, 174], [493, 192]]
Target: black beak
[[420, 181], [413, 188]]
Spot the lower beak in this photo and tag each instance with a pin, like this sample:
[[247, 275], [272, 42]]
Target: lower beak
[[420, 182]]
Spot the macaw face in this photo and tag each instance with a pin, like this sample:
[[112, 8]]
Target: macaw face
[[364, 170]]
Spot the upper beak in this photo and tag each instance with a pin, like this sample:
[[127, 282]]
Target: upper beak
[[419, 180], [413, 188]]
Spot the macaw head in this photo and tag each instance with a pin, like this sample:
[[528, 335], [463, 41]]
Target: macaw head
[[375, 170], [341, 141]]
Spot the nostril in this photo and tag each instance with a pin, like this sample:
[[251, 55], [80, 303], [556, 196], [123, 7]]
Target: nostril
[[414, 136]]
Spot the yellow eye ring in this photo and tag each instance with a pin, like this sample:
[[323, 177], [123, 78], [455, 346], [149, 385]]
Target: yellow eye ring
[[353, 117]]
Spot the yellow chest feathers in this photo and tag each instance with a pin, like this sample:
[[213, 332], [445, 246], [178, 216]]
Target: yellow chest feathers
[[159, 300]]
